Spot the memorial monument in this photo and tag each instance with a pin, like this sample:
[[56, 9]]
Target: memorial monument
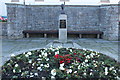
[[62, 25]]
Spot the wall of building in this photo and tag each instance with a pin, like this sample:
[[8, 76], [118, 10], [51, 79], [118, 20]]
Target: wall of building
[[3, 28], [45, 17], [109, 21], [16, 20]]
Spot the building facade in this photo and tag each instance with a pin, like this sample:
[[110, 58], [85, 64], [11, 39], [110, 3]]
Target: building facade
[[68, 2]]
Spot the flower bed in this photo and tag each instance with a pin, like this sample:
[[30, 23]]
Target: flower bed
[[64, 63]]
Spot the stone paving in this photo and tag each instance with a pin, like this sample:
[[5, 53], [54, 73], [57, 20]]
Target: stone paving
[[18, 46]]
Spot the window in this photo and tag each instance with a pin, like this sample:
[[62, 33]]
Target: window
[[64, 0], [105, 0], [39, 0], [14, 0]]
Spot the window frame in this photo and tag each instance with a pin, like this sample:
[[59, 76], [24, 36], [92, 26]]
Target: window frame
[[39, 0], [15, 0]]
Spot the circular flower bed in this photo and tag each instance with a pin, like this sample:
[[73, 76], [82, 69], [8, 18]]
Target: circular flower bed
[[64, 63]]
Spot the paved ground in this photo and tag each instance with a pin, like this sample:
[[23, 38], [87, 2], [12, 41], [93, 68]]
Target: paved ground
[[18, 46]]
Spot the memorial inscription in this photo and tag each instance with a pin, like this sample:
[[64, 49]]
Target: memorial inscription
[[62, 23]]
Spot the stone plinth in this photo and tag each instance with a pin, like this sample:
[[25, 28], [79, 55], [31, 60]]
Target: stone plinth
[[63, 28]]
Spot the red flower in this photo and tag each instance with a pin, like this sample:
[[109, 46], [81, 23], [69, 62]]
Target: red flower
[[68, 61], [56, 56], [67, 55], [61, 62], [61, 56], [75, 53]]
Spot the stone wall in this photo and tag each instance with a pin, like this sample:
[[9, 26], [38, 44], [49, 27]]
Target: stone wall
[[16, 20], [45, 17], [109, 21], [3, 28]]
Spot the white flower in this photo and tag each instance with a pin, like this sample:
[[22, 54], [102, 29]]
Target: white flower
[[84, 74], [14, 71], [111, 68], [87, 56], [16, 65], [53, 72], [61, 68], [47, 59], [95, 65], [39, 59], [45, 54], [106, 70], [19, 70], [30, 61], [29, 53], [43, 78], [79, 67], [49, 53], [71, 66], [87, 65], [94, 61], [86, 60], [40, 56], [114, 71], [83, 63], [91, 54], [47, 65], [70, 50], [12, 55], [8, 64], [118, 78], [75, 71], [36, 74], [91, 73], [33, 64], [42, 53], [61, 65], [98, 55], [56, 52], [41, 64], [31, 75], [91, 70], [39, 68], [52, 77], [69, 71], [26, 55]]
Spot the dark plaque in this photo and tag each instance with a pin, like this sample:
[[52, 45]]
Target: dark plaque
[[62, 23]]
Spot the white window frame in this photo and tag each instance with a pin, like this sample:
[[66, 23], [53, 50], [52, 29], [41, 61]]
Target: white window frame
[[39, 0], [15, 0], [104, 0], [64, 0]]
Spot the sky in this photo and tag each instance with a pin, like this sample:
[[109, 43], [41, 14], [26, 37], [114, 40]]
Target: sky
[[3, 10]]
